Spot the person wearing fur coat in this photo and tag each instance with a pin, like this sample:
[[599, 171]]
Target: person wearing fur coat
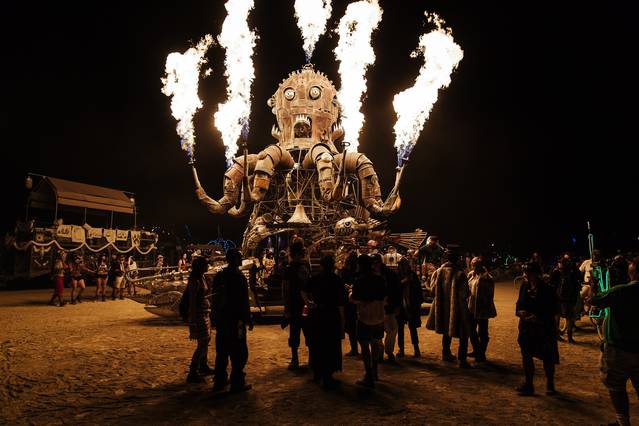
[[482, 307], [449, 314]]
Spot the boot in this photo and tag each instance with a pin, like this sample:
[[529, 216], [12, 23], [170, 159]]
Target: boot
[[103, 299], [79, 298], [295, 362], [526, 389], [220, 382], [375, 375], [206, 371], [417, 353], [368, 380], [241, 387], [449, 357], [550, 386], [194, 377]]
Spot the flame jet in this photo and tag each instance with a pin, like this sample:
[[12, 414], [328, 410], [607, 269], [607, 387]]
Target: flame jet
[[355, 54], [302, 180], [232, 117], [311, 19], [412, 106], [181, 83]]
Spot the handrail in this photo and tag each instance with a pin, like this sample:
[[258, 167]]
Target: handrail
[[164, 272]]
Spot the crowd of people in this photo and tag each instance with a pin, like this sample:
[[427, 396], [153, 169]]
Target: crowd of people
[[111, 273], [371, 297]]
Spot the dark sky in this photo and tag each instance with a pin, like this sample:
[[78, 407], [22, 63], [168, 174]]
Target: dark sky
[[535, 135]]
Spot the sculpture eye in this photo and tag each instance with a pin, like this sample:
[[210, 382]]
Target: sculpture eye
[[289, 94], [315, 92]]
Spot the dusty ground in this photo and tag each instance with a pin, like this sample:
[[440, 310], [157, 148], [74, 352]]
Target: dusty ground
[[114, 363]]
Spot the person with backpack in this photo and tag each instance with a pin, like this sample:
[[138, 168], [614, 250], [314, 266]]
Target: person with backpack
[[195, 307], [231, 315]]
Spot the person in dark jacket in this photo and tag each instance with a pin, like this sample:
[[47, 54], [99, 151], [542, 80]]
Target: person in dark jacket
[[410, 311], [326, 297], [536, 308], [199, 320], [348, 274], [565, 279], [231, 315], [296, 277]]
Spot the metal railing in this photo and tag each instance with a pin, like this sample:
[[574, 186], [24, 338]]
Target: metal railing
[[143, 275]]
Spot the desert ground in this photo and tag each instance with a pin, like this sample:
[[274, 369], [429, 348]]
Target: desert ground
[[115, 363]]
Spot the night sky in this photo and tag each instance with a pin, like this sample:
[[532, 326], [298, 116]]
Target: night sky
[[535, 135]]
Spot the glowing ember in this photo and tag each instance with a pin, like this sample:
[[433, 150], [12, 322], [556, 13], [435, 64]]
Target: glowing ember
[[355, 54], [311, 19], [232, 117], [181, 83], [413, 105]]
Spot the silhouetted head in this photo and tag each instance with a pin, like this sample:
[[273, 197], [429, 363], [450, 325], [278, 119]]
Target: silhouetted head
[[234, 258], [199, 266], [297, 250], [328, 263], [364, 264]]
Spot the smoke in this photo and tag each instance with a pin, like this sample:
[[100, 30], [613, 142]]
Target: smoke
[[311, 19], [355, 53], [232, 116], [181, 84], [412, 106]]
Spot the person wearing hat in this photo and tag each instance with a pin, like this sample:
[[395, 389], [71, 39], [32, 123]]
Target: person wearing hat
[[536, 308], [449, 314]]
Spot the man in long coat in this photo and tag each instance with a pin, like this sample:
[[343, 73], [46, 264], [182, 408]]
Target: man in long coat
[[449, 314]]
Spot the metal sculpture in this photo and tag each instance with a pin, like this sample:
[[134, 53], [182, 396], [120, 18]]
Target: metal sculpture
[[303, 182]]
